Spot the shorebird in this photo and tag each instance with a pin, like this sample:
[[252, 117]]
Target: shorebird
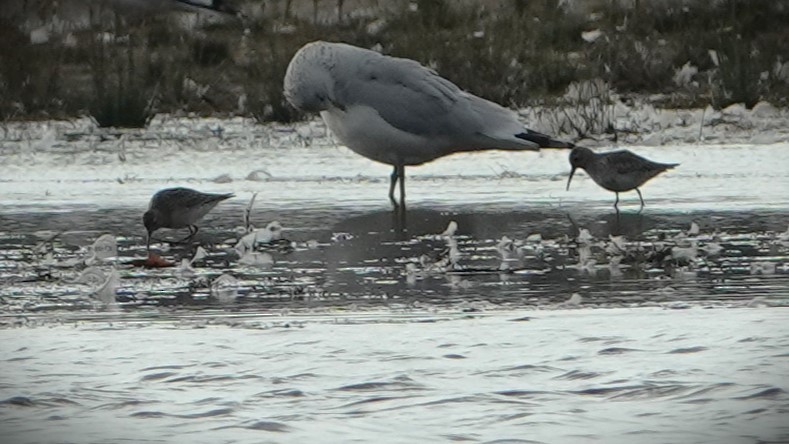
[[616, 171], [398, 112], [179, 208]]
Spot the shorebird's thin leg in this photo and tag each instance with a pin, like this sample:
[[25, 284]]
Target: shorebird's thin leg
[[642, 199], [192, 232], [152, 238], [616, 203], [392, 184]]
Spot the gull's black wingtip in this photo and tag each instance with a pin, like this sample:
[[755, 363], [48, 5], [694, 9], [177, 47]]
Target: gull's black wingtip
[[544, 141], [221, 6]]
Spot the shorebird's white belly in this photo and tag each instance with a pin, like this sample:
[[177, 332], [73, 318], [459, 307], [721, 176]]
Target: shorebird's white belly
[[364, 131]]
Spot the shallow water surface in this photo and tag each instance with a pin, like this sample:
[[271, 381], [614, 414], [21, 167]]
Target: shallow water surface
[[546, 316], [611, 375]]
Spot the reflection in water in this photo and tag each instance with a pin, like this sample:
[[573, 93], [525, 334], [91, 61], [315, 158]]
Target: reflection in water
[[357, 258]]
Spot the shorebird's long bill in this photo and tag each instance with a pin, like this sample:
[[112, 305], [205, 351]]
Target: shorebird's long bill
[[148, 242], [570, 178]]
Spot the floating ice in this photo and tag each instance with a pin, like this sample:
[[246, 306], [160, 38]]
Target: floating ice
[[536, 237], [256, 238], [341, 237], [614, 266], [105, 247], [312, 244], [685, 254], [508, 249], [200, 254], [712, 249], [584, 237], [451, 229], [225, 288], [105, 293], [49, 260], [185, 270], [574, 301], [256, 259], [694, 229], [783, 238], [763, 268], [617, 245], [92, 276]]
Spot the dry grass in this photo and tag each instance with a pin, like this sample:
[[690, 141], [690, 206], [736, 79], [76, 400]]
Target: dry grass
[[517, 53]]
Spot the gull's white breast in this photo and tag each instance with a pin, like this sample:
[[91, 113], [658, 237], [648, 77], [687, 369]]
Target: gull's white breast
[[363, 130]]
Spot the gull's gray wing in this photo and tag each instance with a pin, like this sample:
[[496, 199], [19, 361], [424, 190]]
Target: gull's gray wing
[[416, 100]]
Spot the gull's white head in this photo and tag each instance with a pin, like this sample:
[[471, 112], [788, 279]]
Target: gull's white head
[[308, 83]]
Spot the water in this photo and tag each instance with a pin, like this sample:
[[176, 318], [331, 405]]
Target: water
[[619, 375], [354, 332]]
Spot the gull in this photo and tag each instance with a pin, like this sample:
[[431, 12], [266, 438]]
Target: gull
[[179, 208], [158, 6], [616, 170], [73, 15], [398, 112]]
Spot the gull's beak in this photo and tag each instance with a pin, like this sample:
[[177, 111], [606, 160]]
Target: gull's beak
[[570, 178]]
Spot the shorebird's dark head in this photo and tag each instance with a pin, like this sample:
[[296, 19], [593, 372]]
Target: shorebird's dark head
[[150, 221], [579, 158]]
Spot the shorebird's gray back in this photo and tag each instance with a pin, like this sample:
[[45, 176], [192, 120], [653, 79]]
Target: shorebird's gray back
[[181, 207], [624, 170]]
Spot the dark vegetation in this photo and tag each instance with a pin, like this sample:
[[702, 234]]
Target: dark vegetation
[[514, 52]]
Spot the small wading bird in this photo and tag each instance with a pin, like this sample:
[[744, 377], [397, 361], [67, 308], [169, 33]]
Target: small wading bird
[[616, 170], [398, 112], [179, 208]]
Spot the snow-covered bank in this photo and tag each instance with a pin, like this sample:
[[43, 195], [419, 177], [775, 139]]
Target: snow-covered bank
[[644, 124], [639, 124]]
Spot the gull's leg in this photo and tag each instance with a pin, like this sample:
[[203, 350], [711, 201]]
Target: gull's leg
[[392, 184], [401, 175], [399, 224], [642, 200]]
